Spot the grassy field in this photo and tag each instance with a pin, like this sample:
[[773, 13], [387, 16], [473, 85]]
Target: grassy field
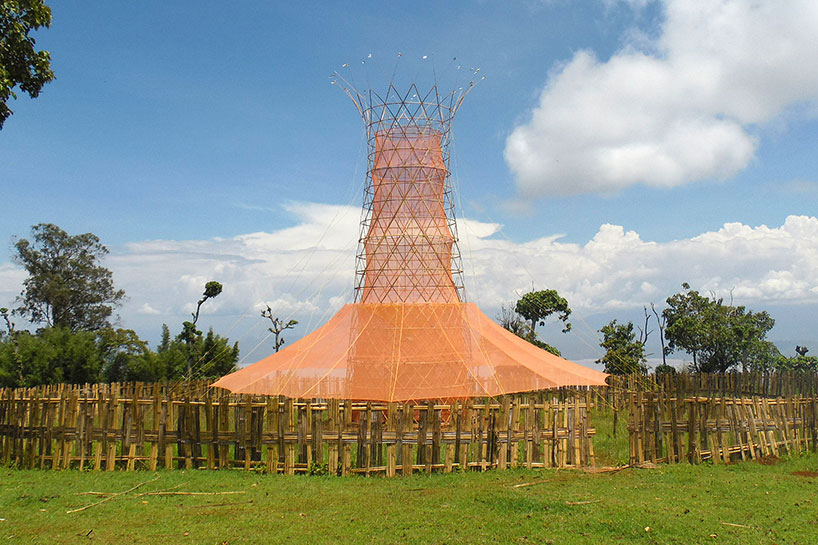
[[741, 503]]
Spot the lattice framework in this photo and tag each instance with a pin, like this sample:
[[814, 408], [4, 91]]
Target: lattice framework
[[408, 234]]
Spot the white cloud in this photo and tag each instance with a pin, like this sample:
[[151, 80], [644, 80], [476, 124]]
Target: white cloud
[[683, 111], [11, 280], [146, 308], [614, 271], [617, 269]]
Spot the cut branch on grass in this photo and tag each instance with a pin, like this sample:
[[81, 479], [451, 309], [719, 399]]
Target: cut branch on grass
[[733, 524], [180, 493], [205, 506], [92, 493], [112, 496], [532, 483]]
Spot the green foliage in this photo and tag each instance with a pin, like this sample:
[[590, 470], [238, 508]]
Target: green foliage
[[192, 337], [21, 65], [719, 337], [65, 288], [211, 356], [212, 289], [624, 354], [56, 354], [665, 369], [318, 469], [544, 345], [798, 363], [536, 306], [127, 357], [511, 320]]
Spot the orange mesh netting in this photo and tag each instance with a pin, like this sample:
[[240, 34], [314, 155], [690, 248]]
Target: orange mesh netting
[[409, 351], [408, 244], [409, 336]]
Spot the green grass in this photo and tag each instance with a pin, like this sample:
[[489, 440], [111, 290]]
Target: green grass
[[738, 504], [610, 450]]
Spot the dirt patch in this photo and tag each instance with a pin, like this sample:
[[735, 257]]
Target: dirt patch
[[805, 473], [769, 460]]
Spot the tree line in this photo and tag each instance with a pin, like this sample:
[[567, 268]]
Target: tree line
[[72, 299], [717, 336]]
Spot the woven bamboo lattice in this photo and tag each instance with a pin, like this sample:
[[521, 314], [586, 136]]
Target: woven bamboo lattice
[[409, 335], [150, 425]]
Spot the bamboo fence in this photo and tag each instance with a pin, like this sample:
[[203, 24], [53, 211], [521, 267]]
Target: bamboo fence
[[616, 397], [774, 384], [148, 425], [672, 428]]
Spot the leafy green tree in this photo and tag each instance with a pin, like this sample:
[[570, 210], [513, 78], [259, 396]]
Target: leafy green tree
[[172, 356], [66, 287], [126, 357], [217, 356], [719, 337], [800, 362], [624, 354], [513, 322], [21, 65], [54, 355], [212, 355], [797, 363], [131, 359], [57, 354], [535, 307], [665, 369]]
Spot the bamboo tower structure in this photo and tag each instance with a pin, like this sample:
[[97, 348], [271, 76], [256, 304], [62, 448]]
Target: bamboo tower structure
[[409, 334]]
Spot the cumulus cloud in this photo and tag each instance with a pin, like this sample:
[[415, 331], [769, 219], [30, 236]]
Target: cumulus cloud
[[674, 109], [615, 270]]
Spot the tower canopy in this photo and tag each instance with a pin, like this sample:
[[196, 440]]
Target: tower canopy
[[409, 335]]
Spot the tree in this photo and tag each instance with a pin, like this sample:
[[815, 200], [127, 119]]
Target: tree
[[212, 353], [624, 354], [15, 360], [661, 322], [126, 357], [196, 348], [511, 320], [719, 337], [53, 355], [798, 363], [21, 65], [66, 287], [278, 326], [536, 307]]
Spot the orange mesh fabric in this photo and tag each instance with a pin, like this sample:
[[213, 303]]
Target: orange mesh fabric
[[409, 351], [408, 244]]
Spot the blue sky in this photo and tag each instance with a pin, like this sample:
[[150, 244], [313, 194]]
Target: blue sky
[[614, 150]]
